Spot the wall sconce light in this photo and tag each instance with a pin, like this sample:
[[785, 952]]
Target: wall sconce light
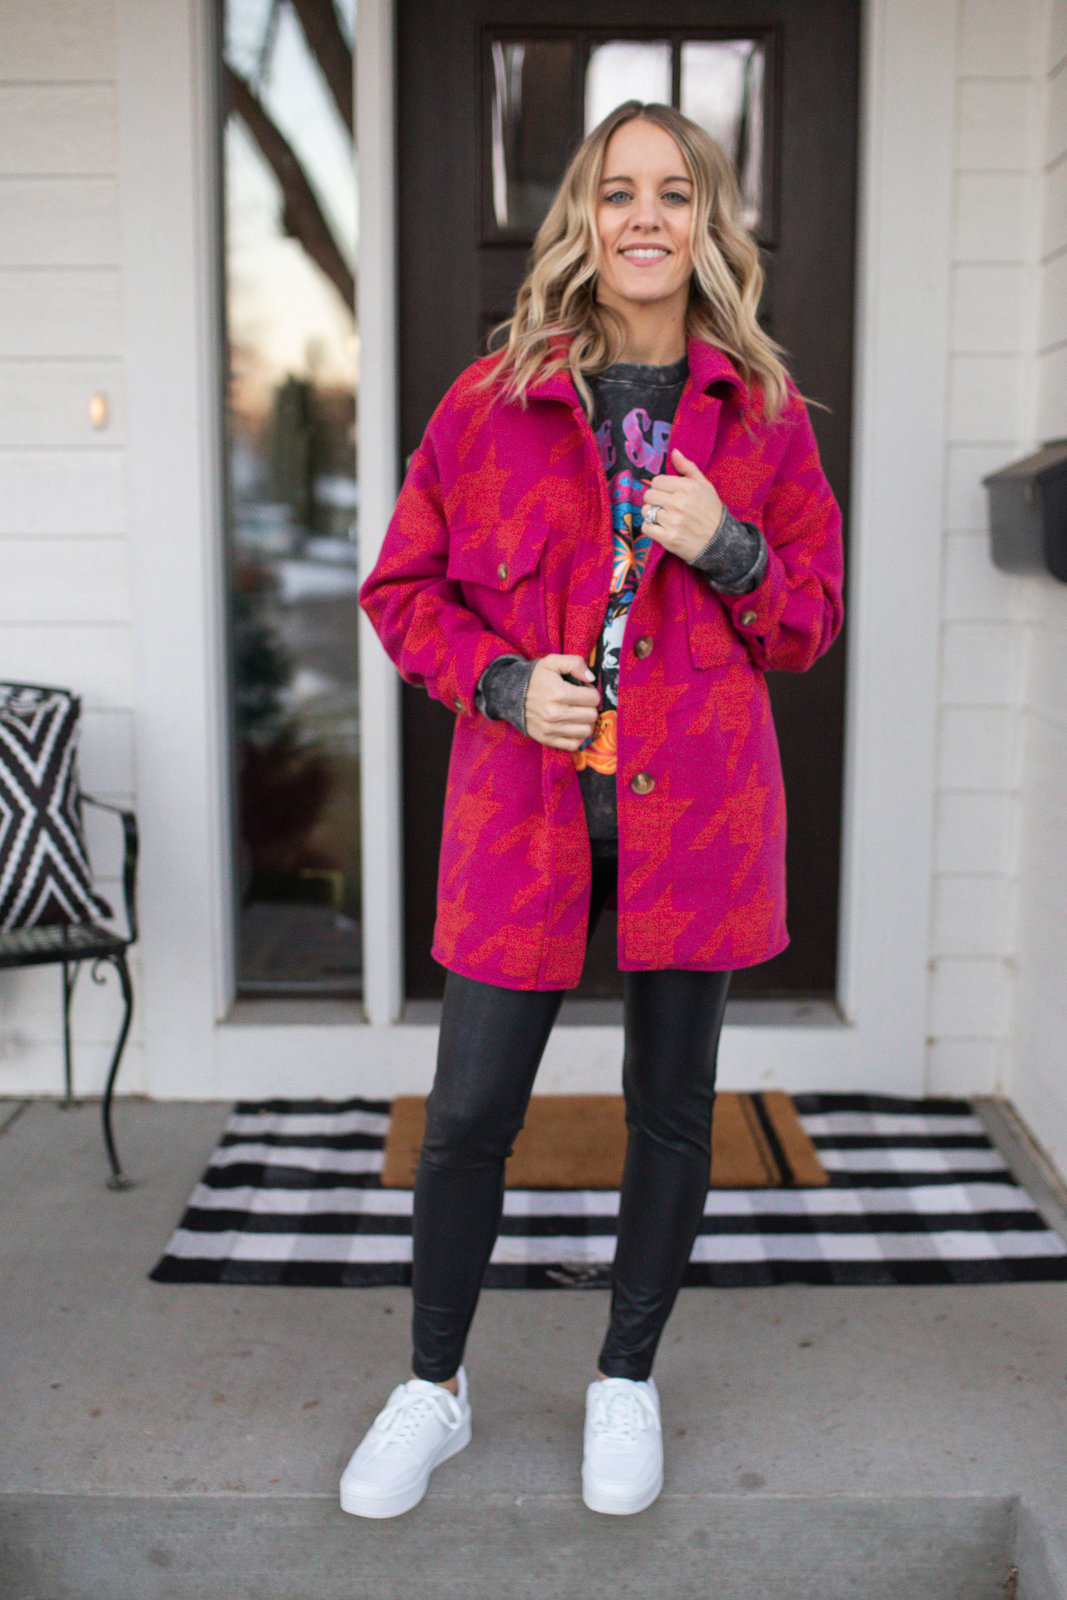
[[99, 411]]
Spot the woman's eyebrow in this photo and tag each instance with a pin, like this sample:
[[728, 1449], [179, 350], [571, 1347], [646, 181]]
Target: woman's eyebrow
[[624, 177]]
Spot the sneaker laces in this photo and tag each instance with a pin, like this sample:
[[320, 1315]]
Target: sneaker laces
[[619, 1414], [407, 1410]]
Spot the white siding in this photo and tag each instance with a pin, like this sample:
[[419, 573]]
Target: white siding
[[65, 583], [982, 642], [1038, 1082]]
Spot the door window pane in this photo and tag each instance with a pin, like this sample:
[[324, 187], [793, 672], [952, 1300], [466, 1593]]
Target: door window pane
[[530, 127], [537, 96], [722, 90], [626, 69], [290, 228]]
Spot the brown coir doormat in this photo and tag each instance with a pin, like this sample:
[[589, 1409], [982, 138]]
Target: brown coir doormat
[[578, 1141]]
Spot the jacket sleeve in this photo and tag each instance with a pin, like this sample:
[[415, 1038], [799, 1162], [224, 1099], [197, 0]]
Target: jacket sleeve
[[418, 612], [794, 613]]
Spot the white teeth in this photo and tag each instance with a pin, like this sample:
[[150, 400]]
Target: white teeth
[[645, 255]]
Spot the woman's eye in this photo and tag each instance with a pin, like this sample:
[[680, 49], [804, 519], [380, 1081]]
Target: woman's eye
[[676, 197], [615, 196]]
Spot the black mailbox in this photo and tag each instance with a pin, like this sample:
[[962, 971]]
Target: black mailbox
[[1028, 512]]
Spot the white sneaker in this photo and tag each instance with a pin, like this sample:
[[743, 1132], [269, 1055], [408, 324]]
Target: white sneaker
[[622, 1470], [421, 1425]]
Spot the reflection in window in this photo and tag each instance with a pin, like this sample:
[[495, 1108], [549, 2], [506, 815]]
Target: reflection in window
[[537, 97], [625, 69], [290, 230], [722, 90], [530, 137]]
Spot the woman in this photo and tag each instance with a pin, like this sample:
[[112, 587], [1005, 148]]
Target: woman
[[611, 529]]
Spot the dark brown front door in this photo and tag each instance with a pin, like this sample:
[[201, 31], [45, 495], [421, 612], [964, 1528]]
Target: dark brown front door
[[493, 96]]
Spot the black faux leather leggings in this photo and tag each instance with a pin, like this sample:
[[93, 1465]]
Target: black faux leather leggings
[[491, 1044]]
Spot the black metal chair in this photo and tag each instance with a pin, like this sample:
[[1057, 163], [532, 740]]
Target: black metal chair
[[69, 946]]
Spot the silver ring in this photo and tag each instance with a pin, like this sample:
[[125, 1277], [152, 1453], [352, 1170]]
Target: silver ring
[[650, 514]]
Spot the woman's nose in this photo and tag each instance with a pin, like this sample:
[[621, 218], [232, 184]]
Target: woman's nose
[[646, 216], [646, 213]]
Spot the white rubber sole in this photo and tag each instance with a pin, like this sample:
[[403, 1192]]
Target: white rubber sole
[[359, 1503], [603, 1500]]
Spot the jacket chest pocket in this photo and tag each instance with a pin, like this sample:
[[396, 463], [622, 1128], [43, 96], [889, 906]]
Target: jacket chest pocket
[[500, 568]]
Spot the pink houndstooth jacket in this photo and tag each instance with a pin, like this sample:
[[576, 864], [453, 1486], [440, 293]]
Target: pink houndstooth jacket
[[501, 543]]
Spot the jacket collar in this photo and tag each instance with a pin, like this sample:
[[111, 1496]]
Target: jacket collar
[[707, 365]]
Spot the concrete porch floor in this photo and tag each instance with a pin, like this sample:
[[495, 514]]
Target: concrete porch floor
[[186, 1440]]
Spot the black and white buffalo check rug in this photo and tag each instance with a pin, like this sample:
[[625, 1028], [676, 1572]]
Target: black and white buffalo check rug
[[918, 1194]]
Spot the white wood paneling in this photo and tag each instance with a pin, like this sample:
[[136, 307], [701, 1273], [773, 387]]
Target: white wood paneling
[[105, 753], [904, 284], [1051, 417], [989, 307], [1037, 1082], [33, 996], [96, 660], [58, 492], [975, 832], [1054, 302], [171, 274], [64, 580], [970, 997], [974, 588], [1056, 124], [981, 664], [970, 914], [1054, 235], [994, 124], [1057, 40], [1047, 697], [985, 398], [65, 129], [45, 404], [990, 216], [31, 1066], [57, 40], [978, 748], [59, 312], [980, 1064], [58, 222], [998, 40]]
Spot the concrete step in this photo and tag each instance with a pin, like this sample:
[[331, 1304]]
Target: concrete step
[[501, 1547]]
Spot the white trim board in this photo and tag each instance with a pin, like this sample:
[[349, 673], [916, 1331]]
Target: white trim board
[[894, 584]]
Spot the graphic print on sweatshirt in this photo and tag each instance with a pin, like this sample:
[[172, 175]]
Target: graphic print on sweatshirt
[[632, 419]]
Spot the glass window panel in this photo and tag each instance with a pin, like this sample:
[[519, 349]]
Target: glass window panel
[[722, 90], [625, 69], [290, 231], [530, 127]]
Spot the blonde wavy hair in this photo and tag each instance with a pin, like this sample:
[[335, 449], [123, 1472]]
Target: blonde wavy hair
[[558, 321]]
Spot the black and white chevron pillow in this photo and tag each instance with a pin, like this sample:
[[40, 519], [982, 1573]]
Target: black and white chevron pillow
[[44, 866]]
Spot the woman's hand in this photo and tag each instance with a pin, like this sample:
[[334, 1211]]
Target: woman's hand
[[561, 714], [689, 509]]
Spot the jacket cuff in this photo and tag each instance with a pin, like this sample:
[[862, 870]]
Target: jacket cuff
[[734, 559], [501, 691]]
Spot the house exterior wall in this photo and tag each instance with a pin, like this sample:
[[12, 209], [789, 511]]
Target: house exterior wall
[[80, 594], [1038, 1080], [989, 422], [66, 597]]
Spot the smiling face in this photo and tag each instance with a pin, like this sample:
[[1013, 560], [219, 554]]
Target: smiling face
[[644, 211]]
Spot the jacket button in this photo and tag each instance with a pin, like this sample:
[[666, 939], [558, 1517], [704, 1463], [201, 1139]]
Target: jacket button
[[642, 783], [458, 704], [643, 647], [502, 571], [747, 618]]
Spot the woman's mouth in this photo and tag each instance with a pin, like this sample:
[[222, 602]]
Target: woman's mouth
[[645, 255]]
